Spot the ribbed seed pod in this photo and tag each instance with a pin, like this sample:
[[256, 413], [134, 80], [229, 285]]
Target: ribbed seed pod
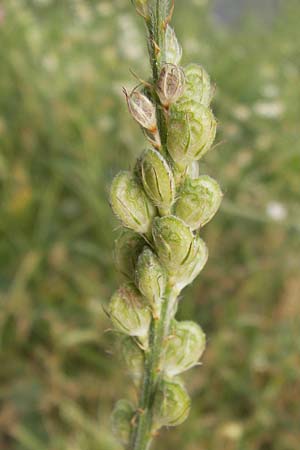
[[173, 50], [121, 420], [172, 404], [127, 250], [157, 178], [151, 279], [134, 359], [170, 85], [142, 110], [174, 242], [197, 85], [184, 348], [199, 200], [191, 132], [130, 203], [129, 312]]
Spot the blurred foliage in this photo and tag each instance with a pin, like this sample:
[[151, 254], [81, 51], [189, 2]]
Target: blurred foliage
[[64, 133]]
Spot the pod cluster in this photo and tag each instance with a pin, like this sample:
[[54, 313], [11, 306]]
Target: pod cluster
[[162, 204]]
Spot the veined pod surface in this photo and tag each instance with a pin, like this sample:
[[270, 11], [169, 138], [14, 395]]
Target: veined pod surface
[[172, 404], [170, 85], [197, 85], [184, 348], [121, 420], [129, 312], [151, 279], [174, 242], [142, 110], [134, 358], [130, 203], [127, 250], [199, 200], [173, 50], [187, 274], [157, 178], [191, 132]]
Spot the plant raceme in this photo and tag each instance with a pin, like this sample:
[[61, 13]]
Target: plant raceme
[[162, 205]]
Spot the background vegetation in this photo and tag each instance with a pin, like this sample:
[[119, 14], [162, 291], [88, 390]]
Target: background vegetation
[[64, 133]]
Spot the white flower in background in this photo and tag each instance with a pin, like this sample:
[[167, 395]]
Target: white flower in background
[[129, 39], [105, 9], [269, 110], [276, 211], [270, 90], [241, 112]]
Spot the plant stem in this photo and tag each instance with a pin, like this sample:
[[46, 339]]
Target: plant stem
[[142, 434], [141, 437]]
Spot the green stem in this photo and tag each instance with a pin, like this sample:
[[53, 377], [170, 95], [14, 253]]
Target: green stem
[[141, 437], [142, 434]]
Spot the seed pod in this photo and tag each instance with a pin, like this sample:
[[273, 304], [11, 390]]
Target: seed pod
[[199, 201], [187, 276], [121, 420], [151, 279], [173, 50], [170, 85], [197, 85], [157, 178], [129, 312], [178, 137], [142, 110], [130, 203], [174, 242], [185, 347], [134, 359], [192, 130], [172, 404], [127, 250]]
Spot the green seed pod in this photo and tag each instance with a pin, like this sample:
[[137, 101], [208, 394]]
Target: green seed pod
[[134, 359], [151, 279], [173, 50], [130, 203], [157, 178], [127, 250], [187, 274], [197, 86], [191, 132], [142, 110], [172, 404], [129, 312], [185, 347], [121, 418], [170, 84], [174, 242], [199, 201]]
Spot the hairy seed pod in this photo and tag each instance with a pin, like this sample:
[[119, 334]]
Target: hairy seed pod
[[192, 130], [172, 404], [129, 312], [197, 86], [121, 419], [170, 85], [173, 50], [127, 250], [134, 359], [157, 178], [199, 201], [130, 203], [185, 346], [174, 242], [142, 110], [187, 274], [151, 279]]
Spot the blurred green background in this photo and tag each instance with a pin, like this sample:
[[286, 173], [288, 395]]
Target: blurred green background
[[64, 133]]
